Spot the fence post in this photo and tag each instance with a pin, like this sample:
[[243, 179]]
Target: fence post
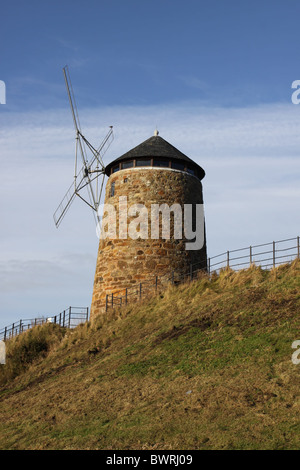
[[12, 330], [208, 265], [140, 290], [87, 314], [156, 282], [298, 247], [64, 317], [70, 316], [5, 330], [250, 255], [112, 300], [274, 257], [227, 259], [126, 293], [191, 272], [106, 302]]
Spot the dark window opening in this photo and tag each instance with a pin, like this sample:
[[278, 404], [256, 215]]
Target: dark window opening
[[146, 162], [112, 189], [192, 172], [125, 165], [115, 168], [163, 163], [177, 165]]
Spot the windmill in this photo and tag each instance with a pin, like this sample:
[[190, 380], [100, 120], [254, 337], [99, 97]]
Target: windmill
[[90, 178]]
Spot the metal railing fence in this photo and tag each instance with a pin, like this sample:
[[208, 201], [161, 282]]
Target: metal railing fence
[[266, 255], [68, 318]]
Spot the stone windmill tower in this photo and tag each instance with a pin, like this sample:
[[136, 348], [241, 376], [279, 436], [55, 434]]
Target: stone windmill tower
[[152, 176], [157, 182]]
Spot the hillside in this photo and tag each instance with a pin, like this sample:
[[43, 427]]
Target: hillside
[[205, 365]]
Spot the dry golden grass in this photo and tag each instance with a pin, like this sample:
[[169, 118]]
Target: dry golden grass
[[205, 365]]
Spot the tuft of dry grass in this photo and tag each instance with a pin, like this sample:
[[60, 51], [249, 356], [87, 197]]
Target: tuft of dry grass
[[26, 348]]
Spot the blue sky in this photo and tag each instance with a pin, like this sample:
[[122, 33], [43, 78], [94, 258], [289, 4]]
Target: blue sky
[[215, 77], [141, 52]]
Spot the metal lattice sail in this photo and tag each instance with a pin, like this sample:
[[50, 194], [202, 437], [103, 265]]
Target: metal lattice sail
[[88, 181]]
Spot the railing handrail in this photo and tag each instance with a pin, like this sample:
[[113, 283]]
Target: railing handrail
[[251, 257], [63, 319]]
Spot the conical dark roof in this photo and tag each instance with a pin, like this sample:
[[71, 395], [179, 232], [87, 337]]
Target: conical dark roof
[[156, 147]]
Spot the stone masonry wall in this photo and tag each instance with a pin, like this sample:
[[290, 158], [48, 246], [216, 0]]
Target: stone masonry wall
[[123, 263]]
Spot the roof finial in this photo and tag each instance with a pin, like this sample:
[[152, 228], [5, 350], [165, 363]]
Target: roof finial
[[156, 132]]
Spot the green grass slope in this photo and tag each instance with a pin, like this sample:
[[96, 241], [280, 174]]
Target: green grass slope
[[205, 365]]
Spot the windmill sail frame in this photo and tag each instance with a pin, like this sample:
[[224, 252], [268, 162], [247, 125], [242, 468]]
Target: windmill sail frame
[[89, 174]]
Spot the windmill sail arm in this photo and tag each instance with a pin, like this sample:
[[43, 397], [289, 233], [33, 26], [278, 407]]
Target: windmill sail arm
[[94, 152], [106, 142], [83, 183], [64, 205], [71, 98], [67, 200], [87, 178], [98, 154], [84, 200]]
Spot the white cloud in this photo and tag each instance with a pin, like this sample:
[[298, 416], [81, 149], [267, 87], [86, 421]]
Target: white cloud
[[251, 189]]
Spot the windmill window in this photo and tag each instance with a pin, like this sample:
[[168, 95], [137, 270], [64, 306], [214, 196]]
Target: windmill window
[[177, 165], [112, 189], [163, 163], [192, 172], [125, 165], [145, 162], [115, 168]]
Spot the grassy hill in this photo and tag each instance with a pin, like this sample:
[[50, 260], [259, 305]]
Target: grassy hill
[[205, 365]]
